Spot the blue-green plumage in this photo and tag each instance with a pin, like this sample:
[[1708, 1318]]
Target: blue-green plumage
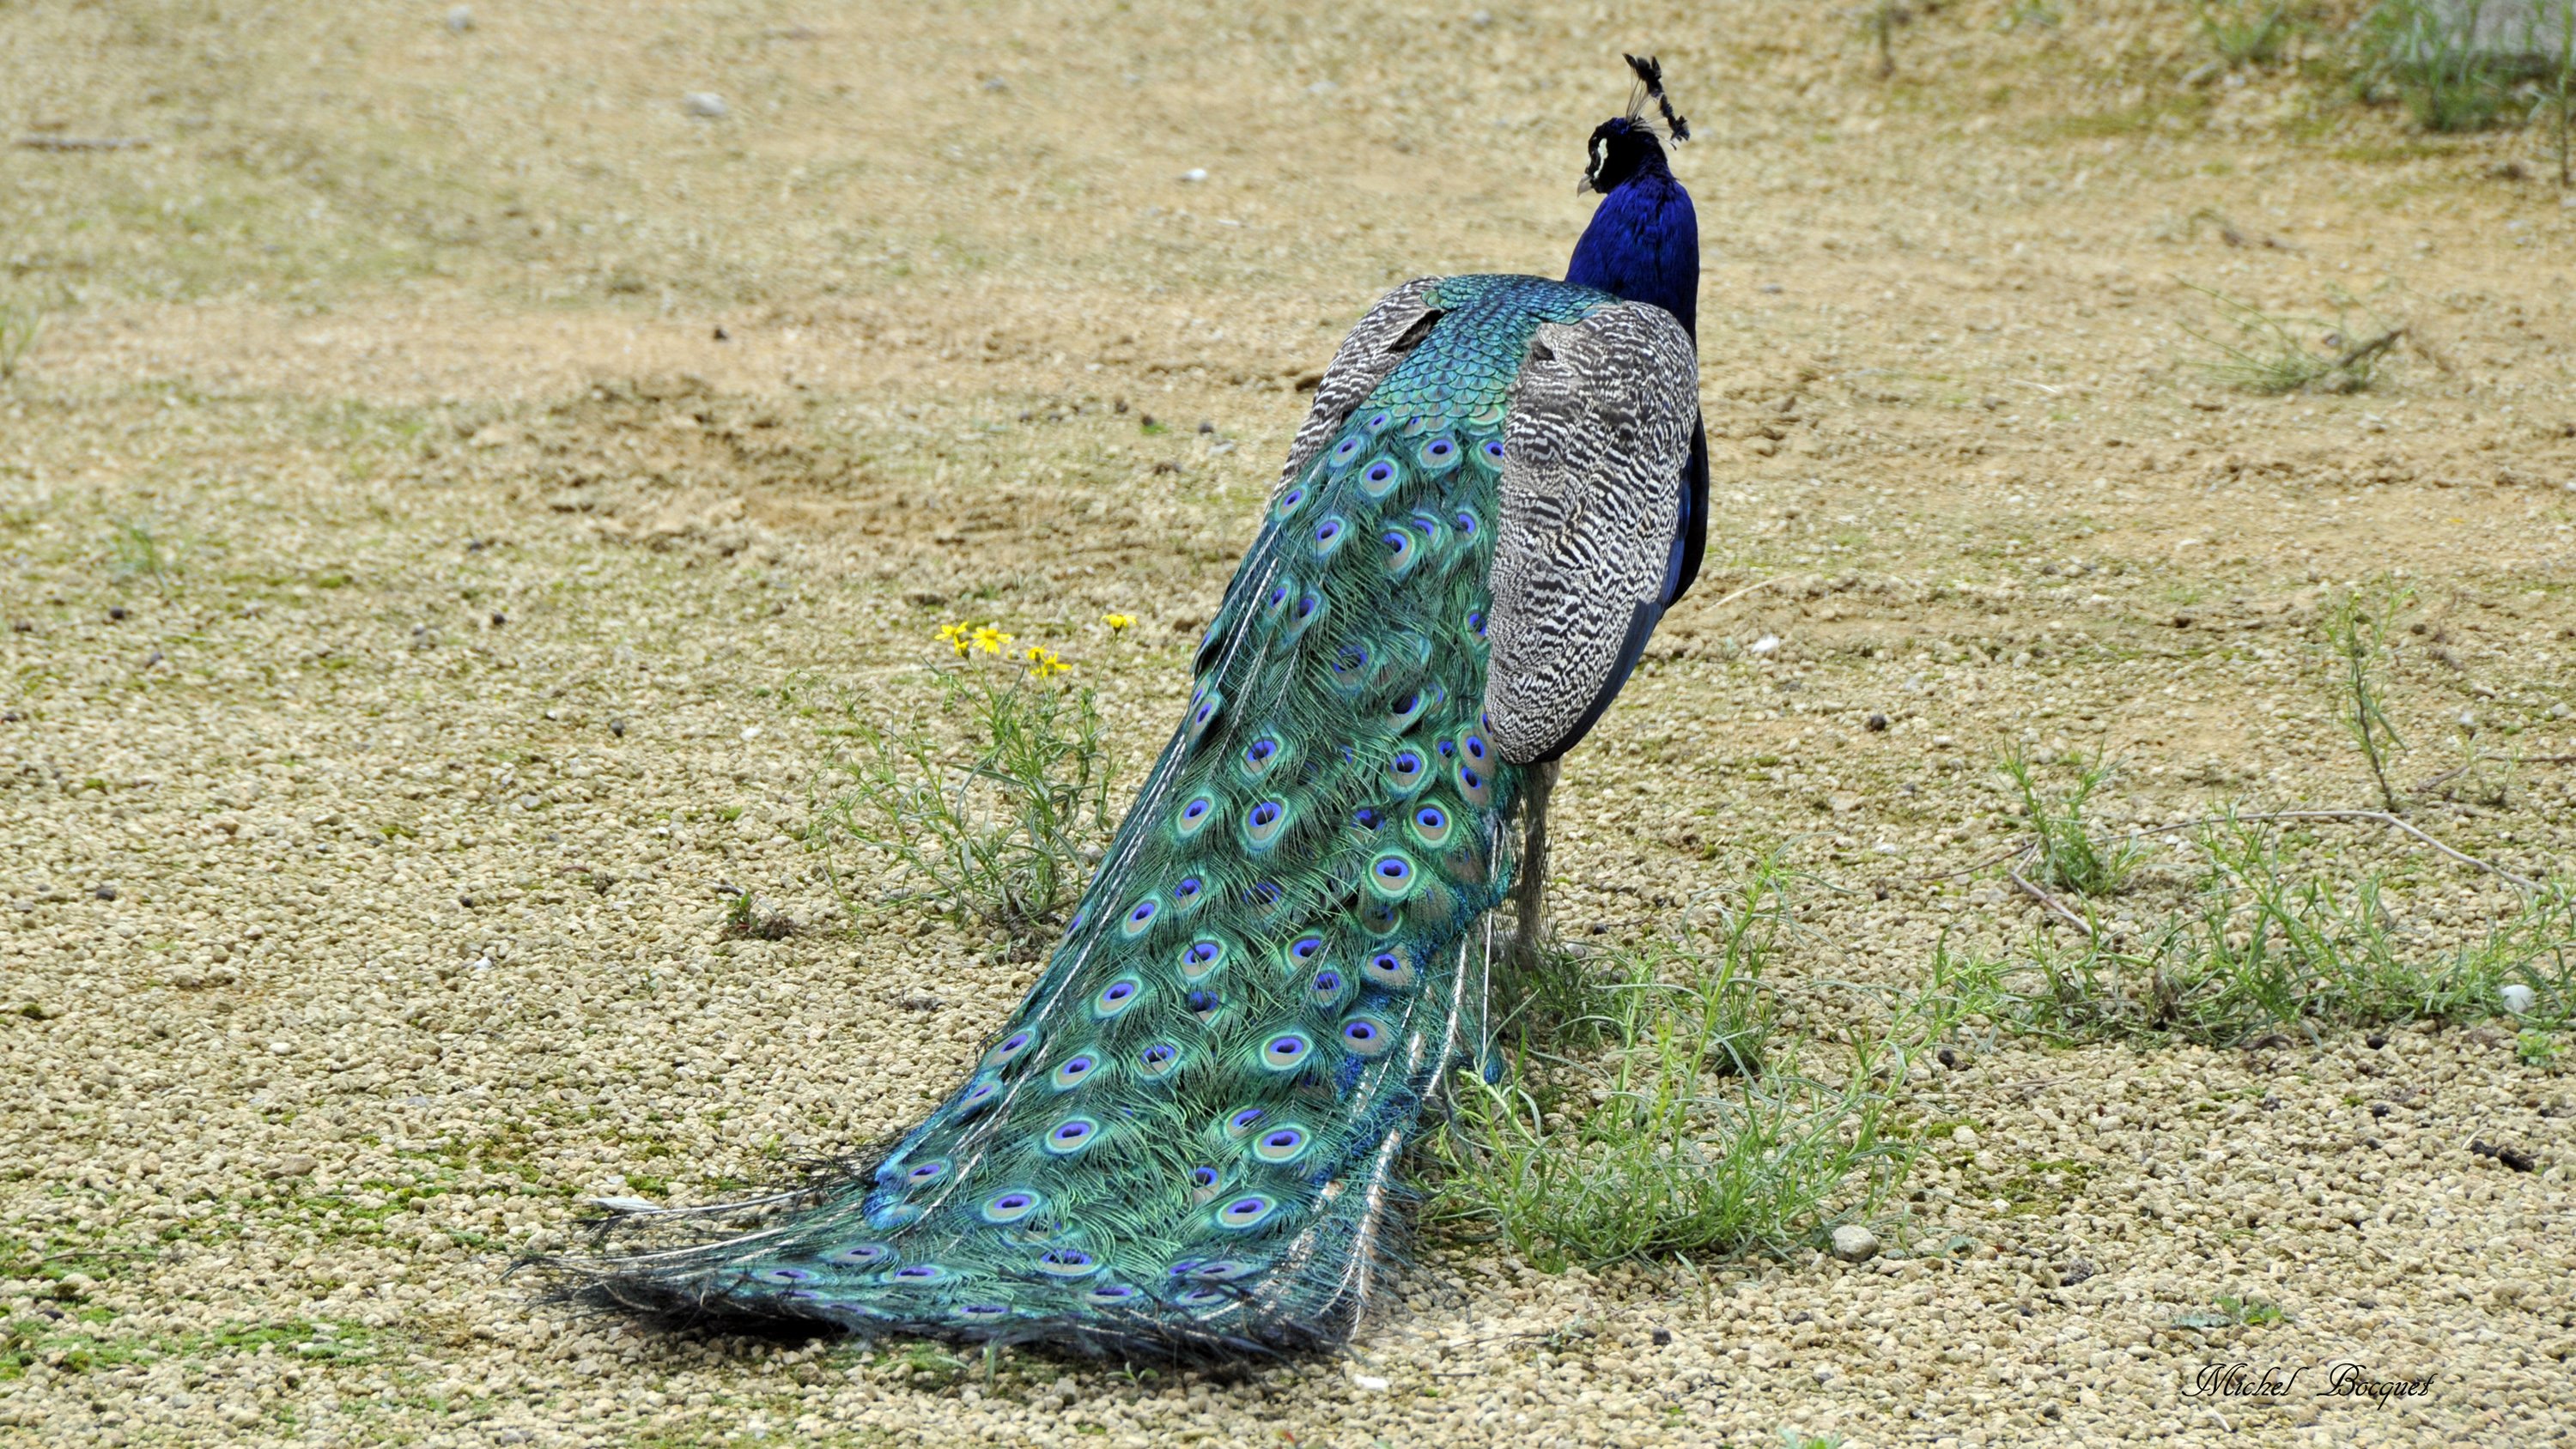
[[1185, 1135]]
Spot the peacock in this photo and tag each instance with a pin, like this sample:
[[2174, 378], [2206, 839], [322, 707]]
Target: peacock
[[1186, 1141]]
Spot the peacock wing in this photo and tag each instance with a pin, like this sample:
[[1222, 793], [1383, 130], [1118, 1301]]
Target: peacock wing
[[1378, 342], [1602, 415], [1375, 346]]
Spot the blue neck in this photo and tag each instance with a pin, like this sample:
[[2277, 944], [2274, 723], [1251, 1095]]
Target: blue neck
[[1643, 246]]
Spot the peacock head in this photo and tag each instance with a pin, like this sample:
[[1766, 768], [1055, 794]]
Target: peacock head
[[1631, 143]]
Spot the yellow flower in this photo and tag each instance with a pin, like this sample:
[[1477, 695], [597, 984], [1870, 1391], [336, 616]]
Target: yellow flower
[[1117, 622], [954, 636], [1042, 662], [990, 640]]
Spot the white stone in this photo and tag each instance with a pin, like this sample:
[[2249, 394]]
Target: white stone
[[1854, 1243], [705, 105], [2517, 999]]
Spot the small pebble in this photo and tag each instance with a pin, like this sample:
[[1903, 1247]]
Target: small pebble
[[2517, 998], [705, 105], [460, 19], [1195, 174], [1854, 1243]]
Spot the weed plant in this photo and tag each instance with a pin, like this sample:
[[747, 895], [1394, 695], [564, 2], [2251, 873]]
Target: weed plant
[[999, 829], [2245, 32], [1693, 1126], [2427, 53], [2271, 354], [140, 552], [2356, 633], [2068, 858], [20, 324], [1879, 20]]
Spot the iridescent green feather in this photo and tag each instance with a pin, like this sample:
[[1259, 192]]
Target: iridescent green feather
[[1184, 1138]]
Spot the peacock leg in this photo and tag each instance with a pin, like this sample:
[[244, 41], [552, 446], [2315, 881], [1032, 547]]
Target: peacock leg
[[1529, 893]]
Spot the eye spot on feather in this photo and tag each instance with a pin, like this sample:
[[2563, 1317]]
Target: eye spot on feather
[[1203, 1177], [1202, 1004], [1067, 1263], [1110, 1293], [919, 1273], [1070, 1073], [1304, 948], [1431, 827], [1326, 987], [1366, 1036], [1201, 957], [1071, 1135], [1405, 770], [930, 1171], [1158, 1060], [859, 1255], [1140, 916], [1343, 452], [1248, 1211], [1264, 823], [785, 1275], [1286, 1051], [1471, 787], [982, 1311], [1280, 1144], [1466, 523], [1009, 1207], [1208, 705], [1389, 970], [1011, 1048]]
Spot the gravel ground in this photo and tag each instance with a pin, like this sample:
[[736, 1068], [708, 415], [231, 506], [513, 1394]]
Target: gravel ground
[[411, 642]]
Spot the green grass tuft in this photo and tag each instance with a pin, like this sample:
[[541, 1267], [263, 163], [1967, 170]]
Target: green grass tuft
[[1694, 1128], [2262, 949]]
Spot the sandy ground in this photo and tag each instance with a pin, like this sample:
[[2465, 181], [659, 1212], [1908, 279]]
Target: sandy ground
[[460, 496]]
